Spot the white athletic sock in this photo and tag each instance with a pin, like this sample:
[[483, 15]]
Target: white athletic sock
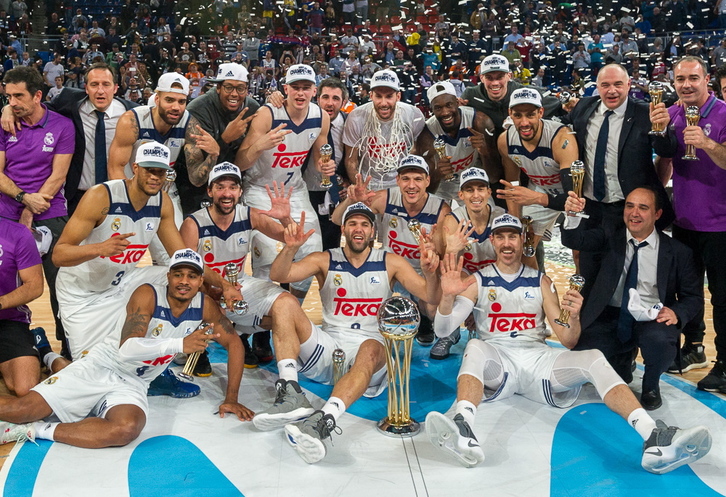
[[467, 410], [45, 430], [642, 422], [48, 360], [335, 407], [287, 369]]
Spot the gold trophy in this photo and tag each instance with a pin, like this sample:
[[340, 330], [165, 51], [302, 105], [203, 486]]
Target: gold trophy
[[693, 115], [528, 249], [338, 365], [414, 226], [238, 306], [326, 152], [440, 147], [398, 320], [194, 357], [577, 172], [655, 90], [576, 283]]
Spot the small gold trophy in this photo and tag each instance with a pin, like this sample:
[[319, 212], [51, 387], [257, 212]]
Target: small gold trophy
[[528, 249], [326, 152], [655, 90], [194, 357], [414, 226], [398, 320], [338, 365], [238, 306], [576, 283], [440, 147], [577, 172], [693, 115]]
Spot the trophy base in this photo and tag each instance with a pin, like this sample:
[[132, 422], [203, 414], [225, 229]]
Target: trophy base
[[656, 133], [562, 323], [689, 157], [398, 430], [578, 214], [185, 376]]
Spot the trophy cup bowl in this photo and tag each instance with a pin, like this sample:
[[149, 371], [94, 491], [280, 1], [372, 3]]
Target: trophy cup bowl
[[693, 115], [655, 90], [414, 226], [239, 307], [577, 173], [326, 152], [398, 321], [576, 283], [440, 147]]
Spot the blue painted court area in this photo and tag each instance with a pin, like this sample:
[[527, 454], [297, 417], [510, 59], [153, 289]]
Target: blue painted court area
[[531, 449]]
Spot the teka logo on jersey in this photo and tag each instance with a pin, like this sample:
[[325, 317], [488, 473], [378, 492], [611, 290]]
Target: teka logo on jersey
[[464, 163], [508, 322], [355, 307], [160, 361], [405, 250], [288, 160], [544, 180], [131, 254]]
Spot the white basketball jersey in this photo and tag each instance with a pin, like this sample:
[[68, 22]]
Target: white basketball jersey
[[479, 252], [352, 296], [162, 325], [397, 238], [174, 139], [463, 155], [509, 309], [102, 273], [539, 164], [220, 247], [284, 162]]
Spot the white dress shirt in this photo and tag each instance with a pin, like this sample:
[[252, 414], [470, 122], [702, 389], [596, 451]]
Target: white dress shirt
[[89, 119], [613, 192], [647, 270]]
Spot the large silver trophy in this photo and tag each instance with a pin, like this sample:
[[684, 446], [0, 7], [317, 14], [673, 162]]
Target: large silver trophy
[[326, 152], [238, 306], [398, 320], [693, 115], [576, 283], [194, 356]]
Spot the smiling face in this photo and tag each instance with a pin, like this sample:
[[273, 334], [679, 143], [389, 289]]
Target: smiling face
[[171, 107], [507, 244], [495, 84], [640, 213], [691, 83], [446, 109], [184, 283], [412, 183], [232, 94], [475, 195], [225, 194], [613, 85], [384, 102], [527, 120], [358, 232]]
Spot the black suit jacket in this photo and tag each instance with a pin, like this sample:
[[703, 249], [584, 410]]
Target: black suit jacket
[[635, 150], [68, 104], [677, 280]]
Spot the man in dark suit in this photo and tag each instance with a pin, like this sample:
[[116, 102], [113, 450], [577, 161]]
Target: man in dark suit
[[612, 136], [83, 108], [644, 293]]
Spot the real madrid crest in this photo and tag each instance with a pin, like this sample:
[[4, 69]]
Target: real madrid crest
[[517, 160], [157, 331], [116, 224], [51, 380], [207, 247], [467, 247], [393, 223], [257, 252], [338, 280], [492, 295]]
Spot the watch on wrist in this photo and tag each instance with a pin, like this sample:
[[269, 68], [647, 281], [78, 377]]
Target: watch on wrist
[[19, 197]]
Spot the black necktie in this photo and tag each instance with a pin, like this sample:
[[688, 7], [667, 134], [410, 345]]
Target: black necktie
[[598, 181], [100, 150], [626, 320]]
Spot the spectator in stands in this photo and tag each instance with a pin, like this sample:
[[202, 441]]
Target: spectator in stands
[[53, 69]]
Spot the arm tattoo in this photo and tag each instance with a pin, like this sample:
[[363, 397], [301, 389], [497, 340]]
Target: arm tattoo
[[135, 128], [135, 326], [197, 166], [104, 211]]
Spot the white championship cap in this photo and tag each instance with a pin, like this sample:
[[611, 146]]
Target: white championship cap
[[525, 96], [224, 169], [413, 161], [473, 174], [440, 88], [359, 208], [386, 78], [168, 79], [187, 257], [299, 72], [494, 63], [507, 221], [153, 154]]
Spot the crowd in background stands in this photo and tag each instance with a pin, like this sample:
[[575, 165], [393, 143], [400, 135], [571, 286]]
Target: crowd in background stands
[[548, 44]]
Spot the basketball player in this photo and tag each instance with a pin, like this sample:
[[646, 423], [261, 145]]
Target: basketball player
[[466, 233], [510, 302], [275, 149], [354, 281], [105, 239], [222, 231], [468, 136], [101, 400], [544, 151], [166, 123], [397, 208], [379, 134]]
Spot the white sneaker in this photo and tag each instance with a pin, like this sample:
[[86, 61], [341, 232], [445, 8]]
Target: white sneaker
[[455, 437], [10, 432], [670, 447]]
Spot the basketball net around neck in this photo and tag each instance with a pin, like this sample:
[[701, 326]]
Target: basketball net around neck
[[386, 159]]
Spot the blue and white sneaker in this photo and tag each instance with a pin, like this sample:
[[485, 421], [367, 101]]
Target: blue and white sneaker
[[167, 383], [41, 341]]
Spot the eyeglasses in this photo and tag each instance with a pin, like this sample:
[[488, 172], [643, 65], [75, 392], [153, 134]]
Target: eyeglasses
[[231, 88]]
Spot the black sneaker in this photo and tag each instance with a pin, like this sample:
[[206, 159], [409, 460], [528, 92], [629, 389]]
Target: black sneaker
[[251, 360], [691, 357], [261, 347], [715, 381], [425, 335], [203, 368]]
